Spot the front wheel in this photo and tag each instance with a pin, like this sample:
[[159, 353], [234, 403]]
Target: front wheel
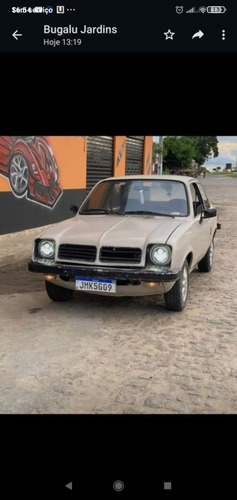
[[58, 293], [176, 298], [206, 263]]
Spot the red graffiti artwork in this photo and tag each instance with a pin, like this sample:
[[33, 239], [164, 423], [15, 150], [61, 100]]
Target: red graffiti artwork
[[30, 166]]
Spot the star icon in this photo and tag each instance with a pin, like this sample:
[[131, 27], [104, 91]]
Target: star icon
[[169, 34]]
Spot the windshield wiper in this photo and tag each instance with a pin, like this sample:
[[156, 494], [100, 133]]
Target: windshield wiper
[[93, 210], [115, 212], [101, 211], [140, 212]]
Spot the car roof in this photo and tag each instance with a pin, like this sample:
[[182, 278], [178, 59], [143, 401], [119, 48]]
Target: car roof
[[180, 178]]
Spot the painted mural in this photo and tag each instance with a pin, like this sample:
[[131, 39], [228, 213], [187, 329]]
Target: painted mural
[[30, 166]]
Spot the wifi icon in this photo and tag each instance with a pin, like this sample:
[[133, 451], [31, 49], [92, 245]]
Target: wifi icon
[[202, 10]]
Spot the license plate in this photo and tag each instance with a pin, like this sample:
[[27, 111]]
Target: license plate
[[95, 285]]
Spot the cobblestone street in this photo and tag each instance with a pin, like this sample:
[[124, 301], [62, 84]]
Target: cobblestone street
[[125, 355]]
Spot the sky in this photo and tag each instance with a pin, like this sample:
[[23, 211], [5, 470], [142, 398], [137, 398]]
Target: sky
[[227, 146]]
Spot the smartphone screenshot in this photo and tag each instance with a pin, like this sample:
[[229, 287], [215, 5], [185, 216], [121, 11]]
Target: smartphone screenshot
[[105, 27], [118, 182]]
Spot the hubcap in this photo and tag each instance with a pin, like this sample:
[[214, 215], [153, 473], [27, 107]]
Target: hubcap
[[19, 174], [184, 284]]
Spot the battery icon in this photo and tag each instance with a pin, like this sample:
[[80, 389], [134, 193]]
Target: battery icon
[[213, 9], [37, 10]]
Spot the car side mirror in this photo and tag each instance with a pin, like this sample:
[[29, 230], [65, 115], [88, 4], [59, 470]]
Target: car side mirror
[[199, 209], [208, 213], [74, 209]]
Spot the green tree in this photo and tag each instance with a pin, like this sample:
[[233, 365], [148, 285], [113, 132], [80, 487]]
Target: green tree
[[206, 148], [179, 151]]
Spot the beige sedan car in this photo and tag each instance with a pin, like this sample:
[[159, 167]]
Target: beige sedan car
[[133, 235]]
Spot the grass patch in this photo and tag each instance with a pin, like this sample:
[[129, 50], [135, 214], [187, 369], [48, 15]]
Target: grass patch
[[227, 174]]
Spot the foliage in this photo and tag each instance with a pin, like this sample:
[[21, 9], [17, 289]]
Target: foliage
[[180, 151], [206, 148]]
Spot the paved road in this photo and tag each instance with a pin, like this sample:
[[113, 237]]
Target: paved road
[[108, 355]]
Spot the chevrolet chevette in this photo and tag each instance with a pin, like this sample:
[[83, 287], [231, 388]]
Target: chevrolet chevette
[[134, 235]]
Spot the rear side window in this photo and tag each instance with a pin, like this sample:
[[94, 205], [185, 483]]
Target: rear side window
[[196, 198]]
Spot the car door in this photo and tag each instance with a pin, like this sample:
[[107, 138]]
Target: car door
[[201, 233]]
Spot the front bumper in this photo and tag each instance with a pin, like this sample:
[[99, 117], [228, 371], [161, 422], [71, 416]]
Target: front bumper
[[131, 274]]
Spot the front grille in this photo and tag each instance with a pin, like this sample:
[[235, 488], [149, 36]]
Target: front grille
[[120, 254], [77, 252]]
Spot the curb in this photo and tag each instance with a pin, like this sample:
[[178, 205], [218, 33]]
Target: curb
[[17, 247]]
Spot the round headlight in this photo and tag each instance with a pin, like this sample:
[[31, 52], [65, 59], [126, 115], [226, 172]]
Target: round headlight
[[160, 254], [46, 249]]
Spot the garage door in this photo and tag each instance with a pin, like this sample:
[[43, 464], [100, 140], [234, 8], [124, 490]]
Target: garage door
[[99, 159], [134, 155]]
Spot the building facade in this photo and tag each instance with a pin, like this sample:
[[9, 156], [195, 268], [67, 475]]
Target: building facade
[[42, 176]]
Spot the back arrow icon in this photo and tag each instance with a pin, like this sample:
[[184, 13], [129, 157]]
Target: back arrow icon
[[199, 34], [16, 34]]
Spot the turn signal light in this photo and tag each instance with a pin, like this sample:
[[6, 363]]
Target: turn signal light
[[151, 284], [50, 277]]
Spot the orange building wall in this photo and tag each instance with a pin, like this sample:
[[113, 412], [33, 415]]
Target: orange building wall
[[70, 153], [71, 156], [119, 155], [147, 156]]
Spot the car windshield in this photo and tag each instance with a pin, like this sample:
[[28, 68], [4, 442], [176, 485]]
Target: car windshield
[[155, 197]]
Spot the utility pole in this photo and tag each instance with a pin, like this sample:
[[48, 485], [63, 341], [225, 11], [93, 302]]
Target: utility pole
[[156, 164], [161, 155]]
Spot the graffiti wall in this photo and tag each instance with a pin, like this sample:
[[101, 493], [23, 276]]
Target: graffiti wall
[[40, 177]]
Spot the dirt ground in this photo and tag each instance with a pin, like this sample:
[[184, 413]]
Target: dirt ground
[[125, 355]]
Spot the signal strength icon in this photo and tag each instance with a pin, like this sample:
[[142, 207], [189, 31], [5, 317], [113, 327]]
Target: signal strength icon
[[191, 11]]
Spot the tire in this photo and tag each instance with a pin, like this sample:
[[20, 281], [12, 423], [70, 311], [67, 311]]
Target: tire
[[205, 265], [18, 172], [58, 293], [176, 298]]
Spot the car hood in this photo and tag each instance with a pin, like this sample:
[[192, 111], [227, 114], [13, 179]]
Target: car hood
[[106, 230]]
